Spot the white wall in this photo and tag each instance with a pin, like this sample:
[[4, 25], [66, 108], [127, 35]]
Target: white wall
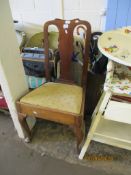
[[33, 13], [90, 10]]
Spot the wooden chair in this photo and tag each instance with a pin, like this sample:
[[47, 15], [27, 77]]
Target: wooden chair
[[61, 101]]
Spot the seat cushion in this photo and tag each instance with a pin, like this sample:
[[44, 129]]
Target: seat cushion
[[120, 80], [58, 96]]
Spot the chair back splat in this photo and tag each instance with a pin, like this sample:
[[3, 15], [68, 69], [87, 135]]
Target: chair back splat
[[66, 30]]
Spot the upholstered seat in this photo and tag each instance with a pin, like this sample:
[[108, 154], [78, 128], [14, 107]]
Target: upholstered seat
[[58, 96]]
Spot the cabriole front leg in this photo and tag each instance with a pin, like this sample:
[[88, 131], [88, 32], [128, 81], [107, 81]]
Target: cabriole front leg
[[25, 127]]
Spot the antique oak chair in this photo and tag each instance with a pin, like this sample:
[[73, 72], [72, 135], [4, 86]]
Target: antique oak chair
[[61, 101]]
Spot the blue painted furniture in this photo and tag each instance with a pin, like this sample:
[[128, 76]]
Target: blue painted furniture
[[118, 14]]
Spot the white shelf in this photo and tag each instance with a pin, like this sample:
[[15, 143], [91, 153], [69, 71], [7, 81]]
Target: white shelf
[[113, 133], [118, 111]]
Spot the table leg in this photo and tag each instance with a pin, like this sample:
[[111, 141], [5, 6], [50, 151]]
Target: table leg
[[95, 121]]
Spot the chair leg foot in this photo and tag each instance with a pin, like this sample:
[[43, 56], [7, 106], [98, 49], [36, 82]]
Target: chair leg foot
[[25, 127], [27, 140]]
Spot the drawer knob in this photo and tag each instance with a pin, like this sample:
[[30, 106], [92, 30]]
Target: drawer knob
[[34, 112]]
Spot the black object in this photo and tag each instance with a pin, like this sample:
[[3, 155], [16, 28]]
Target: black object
[[98, 61], [94, 89], [34, 68], [15, 21]]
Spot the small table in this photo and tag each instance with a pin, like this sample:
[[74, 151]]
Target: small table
[[111, 121], [116, 45]]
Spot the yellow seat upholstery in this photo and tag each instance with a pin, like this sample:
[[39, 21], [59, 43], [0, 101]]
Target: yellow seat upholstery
[[63, 97]]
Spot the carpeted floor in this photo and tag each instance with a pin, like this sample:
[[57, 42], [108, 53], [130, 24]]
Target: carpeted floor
[[16, 158], [58, 141]]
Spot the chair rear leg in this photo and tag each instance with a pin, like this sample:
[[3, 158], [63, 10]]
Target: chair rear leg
[[25, 127], [79, 130]]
